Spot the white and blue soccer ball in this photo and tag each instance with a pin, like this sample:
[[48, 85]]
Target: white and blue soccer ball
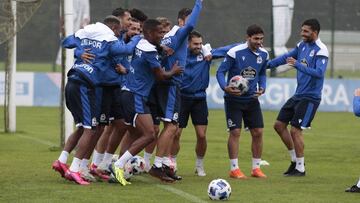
[[128, 171], [240, 83], [219, 189], [138, 164]]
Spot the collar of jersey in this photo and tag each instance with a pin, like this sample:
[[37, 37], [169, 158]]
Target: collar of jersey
[[172, 32], [145, 45], [99, 32]]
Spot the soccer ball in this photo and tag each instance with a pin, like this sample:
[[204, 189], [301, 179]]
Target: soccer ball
[[128, 171], [219, 189], [240, 83], [138, 164]]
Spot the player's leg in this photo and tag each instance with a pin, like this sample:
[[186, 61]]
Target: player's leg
[[199, 116], [281, 127], [304, 113], [253, 120], [234, 119]]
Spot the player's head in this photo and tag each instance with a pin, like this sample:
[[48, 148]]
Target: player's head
[[310, 30], [124, 16], [114, 24], [152, 31], [134, 28], [165, 23], [195, 42], [183, 16], [138, 15], [254, 37]]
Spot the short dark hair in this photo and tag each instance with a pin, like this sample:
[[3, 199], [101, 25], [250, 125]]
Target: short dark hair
[[110, 20], [134, 20], [254, 30], [138, 14], [313, 23], [119, 12], [150, 25], [194, 34], [183, 13]]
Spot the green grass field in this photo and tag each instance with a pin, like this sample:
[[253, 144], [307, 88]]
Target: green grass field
[[332, 164]]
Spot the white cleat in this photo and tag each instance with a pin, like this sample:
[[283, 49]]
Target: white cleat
[[86, 175], [199, 170]]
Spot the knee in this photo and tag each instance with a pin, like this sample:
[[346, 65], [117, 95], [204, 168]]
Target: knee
[[295, 132], [257, 132], [279, 126], [235, 133]]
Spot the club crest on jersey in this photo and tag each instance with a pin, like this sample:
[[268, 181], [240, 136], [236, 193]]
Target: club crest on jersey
[[312, 53], [200, 57], [259, 60], [243, 58], [138, 52], [248, 73], [304, 62]]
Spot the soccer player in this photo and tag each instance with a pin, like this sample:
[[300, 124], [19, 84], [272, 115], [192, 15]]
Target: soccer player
[[168, 92], [248, 60], [356, 109], [80, 90], [309, 58], [145, 67], [139, 15], [193, 95]]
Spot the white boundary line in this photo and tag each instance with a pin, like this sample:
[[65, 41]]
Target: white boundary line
[[168, 188]]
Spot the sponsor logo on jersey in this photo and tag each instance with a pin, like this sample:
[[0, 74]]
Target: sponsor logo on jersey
[[248, 73], [87, 67]]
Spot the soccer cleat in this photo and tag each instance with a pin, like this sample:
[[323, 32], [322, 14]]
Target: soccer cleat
[[98, 173], [76, 177], [236, 173], [160, 174], [353, 188], [118, 173], [295, 173], [291, 168], [104, 169], [199, 170], [171, 173], [257, 173], [86, 175], [60, 167]]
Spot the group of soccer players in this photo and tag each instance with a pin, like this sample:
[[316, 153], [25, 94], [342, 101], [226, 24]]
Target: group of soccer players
[[131, 74]]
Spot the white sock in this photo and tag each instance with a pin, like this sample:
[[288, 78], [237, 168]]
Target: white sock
[[158, 161], [255, 163], [147, 157], [63, 157], [107, 159], [199, 161], [123, 159], [292, 155], [300, 164], [234, 164], [166, 161], [75, 165], [97, 158], [84, 164], [358, 184]]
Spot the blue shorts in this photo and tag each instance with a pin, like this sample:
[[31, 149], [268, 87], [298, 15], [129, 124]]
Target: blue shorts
[[131, 106], [197, 108], [299, 112], [108, 99], [81, 102], [168, 102], [247, 110]]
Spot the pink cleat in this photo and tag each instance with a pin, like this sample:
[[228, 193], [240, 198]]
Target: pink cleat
[[99, 173], [76, 177], [60, 167]]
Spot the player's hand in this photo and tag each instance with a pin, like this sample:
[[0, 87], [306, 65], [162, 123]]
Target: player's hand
[[87, 57], [291, 61], [357, 92], [176, 69], [208, 57], [120, 69], [168, 51], [232, 90], [259, 92]]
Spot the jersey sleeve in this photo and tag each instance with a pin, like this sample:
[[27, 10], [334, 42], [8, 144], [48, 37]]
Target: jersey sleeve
[[152, 58], [71, 42], [281, 60], [223, 69], [221, 51], [356, 105], [318, 71]]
